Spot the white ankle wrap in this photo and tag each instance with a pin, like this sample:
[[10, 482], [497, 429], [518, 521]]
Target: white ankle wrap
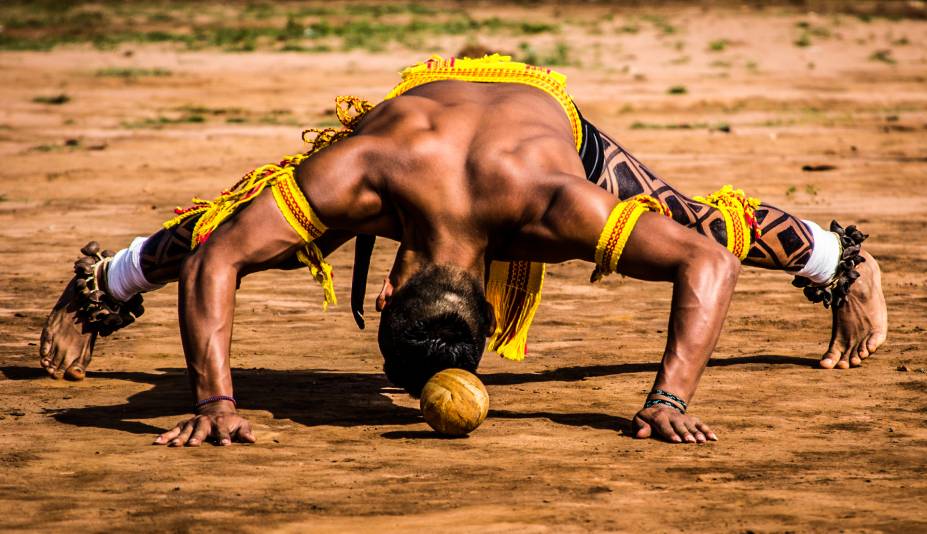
[[125, 278], [825, 253]]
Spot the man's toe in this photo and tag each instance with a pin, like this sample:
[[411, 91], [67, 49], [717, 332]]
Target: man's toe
[[75, 372], [875, 341], [830, 358]]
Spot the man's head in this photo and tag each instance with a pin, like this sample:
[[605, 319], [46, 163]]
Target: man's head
[[437, 320]]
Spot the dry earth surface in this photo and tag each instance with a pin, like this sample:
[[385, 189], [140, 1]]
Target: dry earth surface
[[338, 449]]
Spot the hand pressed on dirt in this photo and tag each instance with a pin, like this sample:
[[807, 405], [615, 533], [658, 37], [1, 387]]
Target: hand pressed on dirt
[[662, 422], [222, 425]]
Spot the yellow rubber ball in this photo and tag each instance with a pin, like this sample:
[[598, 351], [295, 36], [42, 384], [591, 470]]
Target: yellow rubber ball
[[454, 402]]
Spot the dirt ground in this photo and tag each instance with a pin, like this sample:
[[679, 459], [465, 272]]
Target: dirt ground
[[338, 448]]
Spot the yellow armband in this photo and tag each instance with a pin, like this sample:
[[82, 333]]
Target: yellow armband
[[618, 229]]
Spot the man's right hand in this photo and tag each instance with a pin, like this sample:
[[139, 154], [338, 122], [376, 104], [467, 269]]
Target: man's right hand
[[222, 426]]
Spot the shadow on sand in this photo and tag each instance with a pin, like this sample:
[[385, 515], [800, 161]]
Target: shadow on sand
[[321, 397]]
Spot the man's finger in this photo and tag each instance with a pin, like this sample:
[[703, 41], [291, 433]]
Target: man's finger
[[707, 431], [245, 434], [667, 431], [693, 429], [183, 436], [170, 434], [221, 432], [682, 430], [642, 428], [201, 429]]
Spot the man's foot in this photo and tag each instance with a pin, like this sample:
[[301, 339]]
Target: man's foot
[[861, 324], [66, 349]]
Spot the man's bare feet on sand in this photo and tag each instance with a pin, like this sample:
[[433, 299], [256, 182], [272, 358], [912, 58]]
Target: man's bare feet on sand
[[66, 349], [861, 324]]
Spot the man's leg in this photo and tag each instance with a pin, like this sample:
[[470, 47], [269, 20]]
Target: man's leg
[[785, 243], [67, 346]]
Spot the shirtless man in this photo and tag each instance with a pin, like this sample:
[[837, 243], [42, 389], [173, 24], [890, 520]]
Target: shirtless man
[[462, 174]]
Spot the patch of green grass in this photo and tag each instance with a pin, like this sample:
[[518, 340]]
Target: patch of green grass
[[717, 127], [677, 90], [290, 46], [811, 189], [752, 66], [885, 56], [661, 24], [803, 40], [559, 56], [719, 64], [247, 26], [161, 121], [193, 110], [117, 72], [790, 192], [629, 27], [817, 31], [47, 148], [527, 53], [54, 100], [3, 197], [903, 41], [682, 60], [718, 45]]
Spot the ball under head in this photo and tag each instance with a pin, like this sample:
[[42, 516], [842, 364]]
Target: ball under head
[[454, 402]]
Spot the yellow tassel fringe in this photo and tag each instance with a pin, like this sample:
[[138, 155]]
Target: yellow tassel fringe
[[739, 212], [514, 291]]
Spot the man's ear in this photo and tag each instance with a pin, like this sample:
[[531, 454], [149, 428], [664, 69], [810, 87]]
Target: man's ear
[[490, 315]]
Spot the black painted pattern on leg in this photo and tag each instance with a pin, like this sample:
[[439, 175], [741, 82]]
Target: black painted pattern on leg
[[785, 242], [165, 250]]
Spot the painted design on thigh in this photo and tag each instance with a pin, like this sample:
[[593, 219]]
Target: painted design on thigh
[[785, 242]]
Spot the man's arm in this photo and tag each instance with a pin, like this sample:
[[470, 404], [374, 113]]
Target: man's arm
[[255, 238], [703, 274]]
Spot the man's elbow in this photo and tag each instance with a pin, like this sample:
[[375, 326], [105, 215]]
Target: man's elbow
[[715, 265], [725, 265], [204, 263]]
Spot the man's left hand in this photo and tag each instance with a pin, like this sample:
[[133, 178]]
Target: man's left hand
[[665, 423]]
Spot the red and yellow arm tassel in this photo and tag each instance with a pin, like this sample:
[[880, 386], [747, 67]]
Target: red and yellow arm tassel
[[739, 212]]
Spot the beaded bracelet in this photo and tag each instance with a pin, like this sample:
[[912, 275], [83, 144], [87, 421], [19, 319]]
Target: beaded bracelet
[[653, 402], [215, 398], [671, 397]]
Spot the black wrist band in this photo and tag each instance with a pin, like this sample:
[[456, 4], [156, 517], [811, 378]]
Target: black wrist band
[[653, 402], [671, 397]]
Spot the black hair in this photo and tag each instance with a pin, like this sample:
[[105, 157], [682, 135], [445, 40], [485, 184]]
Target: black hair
[[437, 320]]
